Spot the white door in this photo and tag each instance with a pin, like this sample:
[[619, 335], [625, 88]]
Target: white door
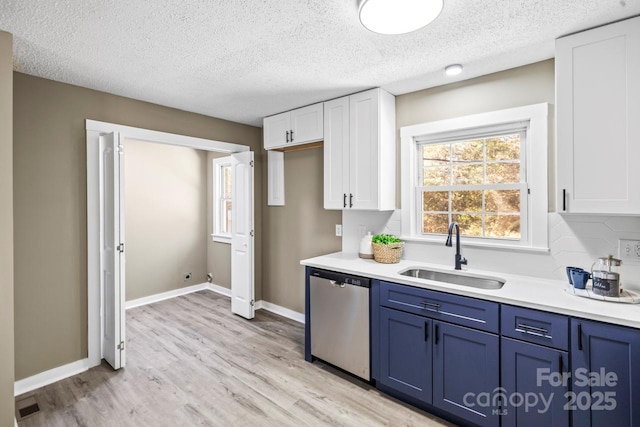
[[336, 154], [242, 235], [112, 248]]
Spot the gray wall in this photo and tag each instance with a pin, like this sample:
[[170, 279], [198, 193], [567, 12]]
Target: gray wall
[[219, 254], [300, 229], [50, 207], [166, 217], [6, 230]]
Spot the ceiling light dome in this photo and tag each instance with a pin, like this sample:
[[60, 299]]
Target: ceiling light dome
[[398, 16]]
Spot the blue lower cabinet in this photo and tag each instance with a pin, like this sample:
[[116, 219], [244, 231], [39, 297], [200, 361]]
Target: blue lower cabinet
[[466, 373], [606, 375], [405, 358], [534, 392]]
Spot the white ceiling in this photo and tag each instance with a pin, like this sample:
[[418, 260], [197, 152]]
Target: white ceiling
[[242, 60]]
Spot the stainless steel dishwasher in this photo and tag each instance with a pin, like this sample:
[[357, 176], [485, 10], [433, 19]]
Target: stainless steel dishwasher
[[339, 317]]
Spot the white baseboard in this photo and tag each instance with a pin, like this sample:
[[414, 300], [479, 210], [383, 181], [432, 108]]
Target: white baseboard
[[282, 311], [219, 289], [166, 295], [51, 376]]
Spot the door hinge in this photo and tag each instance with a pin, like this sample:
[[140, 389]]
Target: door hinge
[[121, 346], [251, 163], [252, 303], [120, 248], [251, 233], [121, 149]]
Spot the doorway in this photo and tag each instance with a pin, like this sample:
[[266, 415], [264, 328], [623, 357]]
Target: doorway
[[106, 154]]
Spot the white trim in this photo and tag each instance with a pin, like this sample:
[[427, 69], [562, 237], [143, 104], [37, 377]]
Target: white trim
[[221, 239], [281, 311], [51, 376], [536, 166], [165, 138], [165, 295], [217, 185], [219, 290]]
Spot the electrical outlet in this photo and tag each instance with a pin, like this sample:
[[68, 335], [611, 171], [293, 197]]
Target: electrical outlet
[[363, 230], [629, 250], [338, 230], [187, 276]]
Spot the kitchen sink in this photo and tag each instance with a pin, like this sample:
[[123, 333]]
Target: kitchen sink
[[482, 282]]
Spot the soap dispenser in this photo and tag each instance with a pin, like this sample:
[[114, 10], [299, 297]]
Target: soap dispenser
[[365, 247]]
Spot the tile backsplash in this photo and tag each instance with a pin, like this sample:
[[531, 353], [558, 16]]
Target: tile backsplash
[[575, 240]]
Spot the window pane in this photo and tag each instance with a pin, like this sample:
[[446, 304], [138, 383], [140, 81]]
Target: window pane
[[435, 154], [502, 201], [470, 225], [437, 176], [503, 173], [505, 147], [435, 201], [504, 226], [468, 175], [227, 181], [435, 223], [466, 201], [468, 151], [226, 224]]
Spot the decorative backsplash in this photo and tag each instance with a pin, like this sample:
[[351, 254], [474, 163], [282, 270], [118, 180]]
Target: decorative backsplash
[[575, 240]]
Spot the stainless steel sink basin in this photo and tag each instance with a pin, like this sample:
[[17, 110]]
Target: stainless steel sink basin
[[482, 282]]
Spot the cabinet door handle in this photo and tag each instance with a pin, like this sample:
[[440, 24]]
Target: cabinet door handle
[[564, 199], [580, 336], [287, 136], [435, 338], [292, 135], [426, 331], [532, 330], [560, 367], [345, 200], [350, 200], [430, 305]]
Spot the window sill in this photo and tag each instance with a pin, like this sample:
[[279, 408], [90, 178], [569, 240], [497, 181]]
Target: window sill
[[476, 244], [221, 238]]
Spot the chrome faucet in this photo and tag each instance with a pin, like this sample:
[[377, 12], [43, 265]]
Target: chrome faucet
[[459, 258]]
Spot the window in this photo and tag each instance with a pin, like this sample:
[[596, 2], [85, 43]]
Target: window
[[488, 172], [222, 201]]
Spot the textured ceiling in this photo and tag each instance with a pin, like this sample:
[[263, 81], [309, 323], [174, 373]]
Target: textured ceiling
[[242, 60]]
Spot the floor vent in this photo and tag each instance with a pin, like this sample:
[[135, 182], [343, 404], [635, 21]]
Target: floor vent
[[26, 408]]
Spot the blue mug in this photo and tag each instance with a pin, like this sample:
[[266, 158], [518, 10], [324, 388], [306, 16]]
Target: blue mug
[[569, 270], [579, 278]]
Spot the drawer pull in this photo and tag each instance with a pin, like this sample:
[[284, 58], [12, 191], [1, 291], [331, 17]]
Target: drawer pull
[[426, 331], [532, 330], [430, 305]]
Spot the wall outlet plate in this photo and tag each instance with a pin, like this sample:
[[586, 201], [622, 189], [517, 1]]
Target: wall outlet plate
[[338, 230], [187, 276], [629, 250]]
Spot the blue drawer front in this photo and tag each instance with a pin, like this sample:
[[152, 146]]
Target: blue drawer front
[[470, 312], [538, 327]]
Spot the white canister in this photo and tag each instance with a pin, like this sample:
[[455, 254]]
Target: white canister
[[365, 247]]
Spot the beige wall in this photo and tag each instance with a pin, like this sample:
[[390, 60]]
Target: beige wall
[[6, 230], [50, 207], [219, 254], [166, 217], [298, 230], [531, 84]]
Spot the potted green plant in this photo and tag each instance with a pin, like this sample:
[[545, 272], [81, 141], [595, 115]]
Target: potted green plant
[[387, 248]]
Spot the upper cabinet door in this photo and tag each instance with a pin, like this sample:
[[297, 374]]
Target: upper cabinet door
[[276, 130], [363, 153], [598, 106], [307, 124], [336, 153]]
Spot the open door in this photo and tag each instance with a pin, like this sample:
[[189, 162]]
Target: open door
[[242, 235], [112, 248]]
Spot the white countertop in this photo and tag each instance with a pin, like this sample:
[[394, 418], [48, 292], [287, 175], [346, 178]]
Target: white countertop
[[531, 292]]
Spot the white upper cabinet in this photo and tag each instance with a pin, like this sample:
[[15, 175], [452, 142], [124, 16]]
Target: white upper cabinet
[[598, 120], [296, 127], [360, 152]]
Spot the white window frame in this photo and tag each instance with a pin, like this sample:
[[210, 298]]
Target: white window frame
[[534, 163], [218, 188]]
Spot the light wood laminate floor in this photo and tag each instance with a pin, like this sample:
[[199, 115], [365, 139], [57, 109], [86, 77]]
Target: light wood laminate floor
[[191, 362]]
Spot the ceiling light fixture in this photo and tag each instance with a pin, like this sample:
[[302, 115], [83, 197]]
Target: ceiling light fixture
[[453, 70], [398, 16]]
